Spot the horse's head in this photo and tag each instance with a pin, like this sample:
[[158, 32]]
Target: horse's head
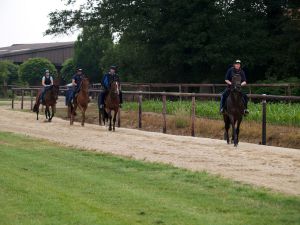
[[114, 87], [85, 83], [236, 82], [55, 90]]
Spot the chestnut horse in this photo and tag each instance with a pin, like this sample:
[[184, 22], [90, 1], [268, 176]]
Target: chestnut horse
[[234, 111], [112, 103], [81, 101], [50, 98]]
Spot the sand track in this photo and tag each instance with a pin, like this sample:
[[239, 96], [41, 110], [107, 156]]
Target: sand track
[[272, 167]]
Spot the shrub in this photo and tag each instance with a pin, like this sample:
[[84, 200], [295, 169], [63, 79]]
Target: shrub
[[32, 70]]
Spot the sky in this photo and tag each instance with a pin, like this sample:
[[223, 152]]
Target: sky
[[25, 21]]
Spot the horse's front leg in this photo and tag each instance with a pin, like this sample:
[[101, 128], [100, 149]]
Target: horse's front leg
[[238, 130], [47, 112], [227, 126], [114, 120], [83, 109], [109, 117], [52, 113], [234, 134]]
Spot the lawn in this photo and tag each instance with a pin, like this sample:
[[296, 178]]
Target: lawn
[[43, 183], [277, 113]]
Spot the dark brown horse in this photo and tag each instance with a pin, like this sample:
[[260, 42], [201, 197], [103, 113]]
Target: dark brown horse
[[234, 111], [112, 103], [50, 98], [81, 101]]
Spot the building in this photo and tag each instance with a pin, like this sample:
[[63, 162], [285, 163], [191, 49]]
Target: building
[[56, 52]]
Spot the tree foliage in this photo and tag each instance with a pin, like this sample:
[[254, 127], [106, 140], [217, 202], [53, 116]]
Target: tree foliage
[[184, 41], [68, 70], [32, 70]]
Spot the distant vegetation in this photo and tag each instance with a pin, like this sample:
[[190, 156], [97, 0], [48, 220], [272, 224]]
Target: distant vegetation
[[277, 113]]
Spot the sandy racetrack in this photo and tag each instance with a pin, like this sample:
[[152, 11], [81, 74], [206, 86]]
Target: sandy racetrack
[[271, 167]]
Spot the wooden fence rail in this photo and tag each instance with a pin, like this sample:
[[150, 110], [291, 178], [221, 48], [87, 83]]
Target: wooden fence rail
[[164, 95]]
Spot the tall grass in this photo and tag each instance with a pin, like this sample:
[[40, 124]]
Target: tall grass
[[277, 113]]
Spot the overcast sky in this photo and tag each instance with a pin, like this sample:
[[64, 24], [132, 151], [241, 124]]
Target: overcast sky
[[25, 21]]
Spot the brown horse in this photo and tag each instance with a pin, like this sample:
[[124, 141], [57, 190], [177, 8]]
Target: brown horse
[[234, 111], [50, 98], [112, 103], [81, 101]]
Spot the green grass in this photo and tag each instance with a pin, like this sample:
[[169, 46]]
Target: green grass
[[277, 113], [43, 183]]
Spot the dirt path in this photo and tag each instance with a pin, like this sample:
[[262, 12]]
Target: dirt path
[[271, 167]]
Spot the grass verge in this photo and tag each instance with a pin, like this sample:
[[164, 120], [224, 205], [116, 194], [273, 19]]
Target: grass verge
[[43, 183]]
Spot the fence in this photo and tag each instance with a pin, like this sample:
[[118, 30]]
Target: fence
[[211, 88], [164, 95]]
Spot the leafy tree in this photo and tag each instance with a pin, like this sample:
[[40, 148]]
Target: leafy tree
[[32, 70], [68, 70], [184, 41], [8, 74]]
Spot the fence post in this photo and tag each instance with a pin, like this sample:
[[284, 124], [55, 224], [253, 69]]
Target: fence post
[[119, 117], [250, 92], [164, 112], [13, 99], [31, 99], [22, 99], [140, 111], [179, 88], [193, 117], [264, 122]]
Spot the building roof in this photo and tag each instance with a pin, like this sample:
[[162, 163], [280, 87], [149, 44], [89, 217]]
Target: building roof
[[16, 49]]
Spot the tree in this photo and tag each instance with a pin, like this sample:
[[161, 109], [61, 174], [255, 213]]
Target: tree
[[8, 74], [183, 41], [32, 70], [68, 70]]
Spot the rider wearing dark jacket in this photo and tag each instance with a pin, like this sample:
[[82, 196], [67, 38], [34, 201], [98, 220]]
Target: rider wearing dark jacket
[[47, 81], [235, 70], [76, 81], [105, 82]]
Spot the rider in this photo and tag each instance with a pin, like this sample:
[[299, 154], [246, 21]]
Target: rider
[[105, 82], [76, 82], [47, 81], [235, 70]]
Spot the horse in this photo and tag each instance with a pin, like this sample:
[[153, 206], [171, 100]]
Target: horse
[[50, 99], [112, 103], [81, 101], [234, 112]]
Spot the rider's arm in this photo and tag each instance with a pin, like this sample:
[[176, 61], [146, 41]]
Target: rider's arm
[[43, 82], [73, 82], [228, 82], [244, 82], [227, 77]]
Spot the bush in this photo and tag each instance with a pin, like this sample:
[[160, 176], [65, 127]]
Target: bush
[[181, 118], [32, 70], [68, 70]]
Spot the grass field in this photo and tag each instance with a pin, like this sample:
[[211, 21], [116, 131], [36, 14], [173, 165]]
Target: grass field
[[43, 183], [277, 113]]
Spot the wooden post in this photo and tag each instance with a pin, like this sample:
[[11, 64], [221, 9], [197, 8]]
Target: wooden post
[[164, 112], [193, 116], [31, 99], [250, 92], [140, 111], [264, 122], [119, 118], [13, 99], [179, 88], [22, 100]]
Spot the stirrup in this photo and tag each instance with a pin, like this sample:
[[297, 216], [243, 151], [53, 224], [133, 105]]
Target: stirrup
[[222, 111], [246, 112], [101, 106]]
